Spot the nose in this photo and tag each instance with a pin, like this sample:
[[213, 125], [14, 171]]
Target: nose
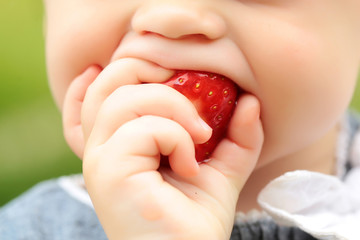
[[178, 19]]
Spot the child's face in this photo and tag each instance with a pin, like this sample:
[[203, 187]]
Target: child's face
[[299, 58]]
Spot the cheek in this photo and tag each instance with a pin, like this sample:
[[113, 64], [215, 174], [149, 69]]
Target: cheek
[[73, 44], [303, 89]]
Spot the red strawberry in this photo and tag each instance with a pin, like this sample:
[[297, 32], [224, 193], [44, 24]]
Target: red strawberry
[[214, 97]]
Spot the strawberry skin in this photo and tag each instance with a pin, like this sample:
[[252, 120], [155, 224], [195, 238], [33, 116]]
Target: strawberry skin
[[214, 97]]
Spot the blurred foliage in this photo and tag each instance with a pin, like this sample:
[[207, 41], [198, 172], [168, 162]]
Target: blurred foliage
[[32, 147]]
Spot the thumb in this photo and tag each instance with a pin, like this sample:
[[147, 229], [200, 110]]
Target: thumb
[[237, 154]]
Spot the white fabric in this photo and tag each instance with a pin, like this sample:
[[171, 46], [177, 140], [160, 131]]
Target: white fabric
[[75, 186], [319, 204]]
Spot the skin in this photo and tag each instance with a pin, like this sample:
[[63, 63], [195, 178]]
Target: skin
[[297, 60]]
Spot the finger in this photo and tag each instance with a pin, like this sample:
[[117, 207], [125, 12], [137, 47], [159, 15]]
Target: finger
[[236, 155], [223, 177], [71, 112], [136, 146], [131, 101], [119, 73]]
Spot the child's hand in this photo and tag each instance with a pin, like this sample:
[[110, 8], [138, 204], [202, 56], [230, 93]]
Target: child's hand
[[126, 128]]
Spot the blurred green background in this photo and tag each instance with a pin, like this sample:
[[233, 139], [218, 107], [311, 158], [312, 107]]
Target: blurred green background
[[32, 147]]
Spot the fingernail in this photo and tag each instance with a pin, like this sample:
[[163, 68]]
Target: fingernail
[[254, 112], [204, 125]]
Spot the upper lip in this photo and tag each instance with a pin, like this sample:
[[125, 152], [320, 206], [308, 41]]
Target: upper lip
[[220, 56]]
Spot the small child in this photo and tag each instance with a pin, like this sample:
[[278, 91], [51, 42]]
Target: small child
[[288, 167]]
